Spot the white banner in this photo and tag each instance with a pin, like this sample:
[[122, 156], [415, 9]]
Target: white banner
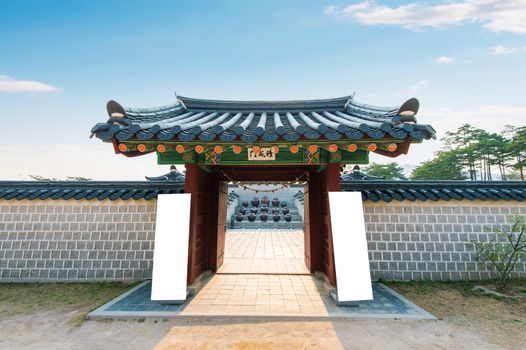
[[170, 255], [353, 276]]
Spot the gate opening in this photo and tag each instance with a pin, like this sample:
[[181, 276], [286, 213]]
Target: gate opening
[[265, 229]]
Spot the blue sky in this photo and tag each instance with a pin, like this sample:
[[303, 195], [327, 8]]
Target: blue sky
[[61, 61]]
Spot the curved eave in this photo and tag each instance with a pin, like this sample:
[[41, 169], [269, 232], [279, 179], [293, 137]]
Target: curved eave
[[200, 120], [403, 147]]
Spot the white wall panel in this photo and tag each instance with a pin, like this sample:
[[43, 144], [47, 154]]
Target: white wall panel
[[170, 256], [351, 259]]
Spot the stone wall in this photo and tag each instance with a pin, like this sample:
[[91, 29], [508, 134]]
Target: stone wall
[[431, 240], [75, 240], [53, 240]]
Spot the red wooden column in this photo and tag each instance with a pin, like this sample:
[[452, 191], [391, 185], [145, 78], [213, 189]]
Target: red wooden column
[[333, 177], [332, 174], [314, 231], [320, 235], [213, 238], [199, 184]]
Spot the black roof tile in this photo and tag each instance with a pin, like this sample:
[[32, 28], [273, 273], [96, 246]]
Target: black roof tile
[[90, 190], [383, 190], [373, 190], [250, 121]]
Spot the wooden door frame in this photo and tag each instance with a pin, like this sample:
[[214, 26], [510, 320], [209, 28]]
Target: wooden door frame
[[319, 237], [221, 223]]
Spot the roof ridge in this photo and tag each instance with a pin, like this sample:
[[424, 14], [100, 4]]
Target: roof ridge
[[218, 101]]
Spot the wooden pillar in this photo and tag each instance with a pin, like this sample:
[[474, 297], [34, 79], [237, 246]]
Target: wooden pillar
[[314, 231], [212, 206], [199, 184], [332, 174], [191, 186], [333, 177]]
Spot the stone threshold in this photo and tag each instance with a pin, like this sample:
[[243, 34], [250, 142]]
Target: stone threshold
[[384, 310]]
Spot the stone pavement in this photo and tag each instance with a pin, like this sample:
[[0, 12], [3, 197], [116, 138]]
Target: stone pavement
[[264, 251], [262, 296], [263, 275]]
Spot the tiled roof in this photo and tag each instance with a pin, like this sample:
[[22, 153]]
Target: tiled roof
[[248, 121], [91, 190], [387, 191], [374, 190]]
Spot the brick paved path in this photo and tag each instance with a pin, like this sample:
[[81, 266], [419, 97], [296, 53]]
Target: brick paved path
[[264, 251]]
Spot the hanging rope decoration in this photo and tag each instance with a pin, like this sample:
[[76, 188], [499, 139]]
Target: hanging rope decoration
[[284, 185]]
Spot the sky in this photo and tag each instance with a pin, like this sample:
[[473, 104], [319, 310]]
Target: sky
[[61, 61]]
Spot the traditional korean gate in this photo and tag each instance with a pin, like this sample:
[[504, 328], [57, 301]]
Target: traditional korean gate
[[261, 141], [208, 209]]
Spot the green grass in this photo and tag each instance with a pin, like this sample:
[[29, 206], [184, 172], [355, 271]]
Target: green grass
[[423, 287], [28, 298]]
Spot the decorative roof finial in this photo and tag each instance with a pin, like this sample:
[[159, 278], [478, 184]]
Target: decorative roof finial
[[178, 100]]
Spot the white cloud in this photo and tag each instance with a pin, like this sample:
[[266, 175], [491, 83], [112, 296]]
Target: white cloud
[[418, 87], [331, 10], [495, 15], [503, 50], [445, 60], [8, 84]]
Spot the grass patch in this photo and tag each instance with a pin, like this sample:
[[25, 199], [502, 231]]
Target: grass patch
[[28, 298]]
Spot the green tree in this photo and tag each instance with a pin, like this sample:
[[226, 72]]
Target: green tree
[[517, 148], [445, 166], [492, 150], [390, 171], [464, 142], [480, 152]]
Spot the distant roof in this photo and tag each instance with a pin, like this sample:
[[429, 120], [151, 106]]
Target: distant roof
[[265, 121], [173, 175], [356, 174]]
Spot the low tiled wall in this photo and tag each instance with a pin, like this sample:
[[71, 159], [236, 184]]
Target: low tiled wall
[[431, 240], [76, 239], [50, 240]]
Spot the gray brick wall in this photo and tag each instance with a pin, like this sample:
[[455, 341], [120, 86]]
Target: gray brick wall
[[76, 240], [430, 240], [52, 240]]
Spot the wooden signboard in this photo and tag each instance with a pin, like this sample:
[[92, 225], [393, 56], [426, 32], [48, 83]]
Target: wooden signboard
[[261, 153]]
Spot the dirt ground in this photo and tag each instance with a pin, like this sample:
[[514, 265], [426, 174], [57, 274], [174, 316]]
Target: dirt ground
[[502, 321], [466, 322], [55, 330]]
